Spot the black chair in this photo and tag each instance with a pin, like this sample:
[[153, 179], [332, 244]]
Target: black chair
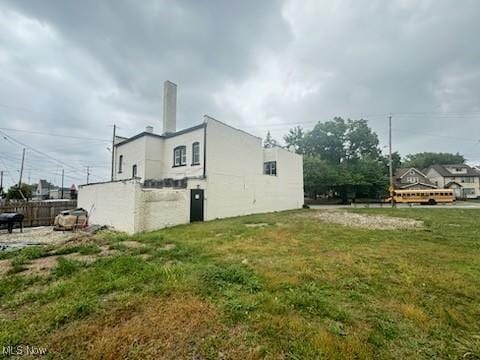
[[10, 219]]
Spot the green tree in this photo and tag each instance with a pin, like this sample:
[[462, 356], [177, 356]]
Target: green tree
[[319, 175], [327, 140], [426, 159], [296, 139], [269, 141], [361, 141], [15, 192], [341, 155], [396, 161]]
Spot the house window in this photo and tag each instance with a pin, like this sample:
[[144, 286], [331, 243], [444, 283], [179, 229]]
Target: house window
[[120, 164], [196, 153], [270, 168], [180, 156], [134, 171], [467, 179]]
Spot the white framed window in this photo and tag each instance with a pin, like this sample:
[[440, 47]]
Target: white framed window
[[270, 168], [134, 171], [180, 156], [196, 153]]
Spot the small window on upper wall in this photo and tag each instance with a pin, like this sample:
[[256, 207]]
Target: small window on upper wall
[[270, 168], [120, 163], [134, 171], [180, 156], [196, 153]]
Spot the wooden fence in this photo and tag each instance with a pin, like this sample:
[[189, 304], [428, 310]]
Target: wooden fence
[[38, 213]]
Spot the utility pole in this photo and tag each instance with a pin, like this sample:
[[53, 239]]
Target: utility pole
[[390, 163], [88, 173], [21, 169], [63, 176], [1, 183], [113, 150]]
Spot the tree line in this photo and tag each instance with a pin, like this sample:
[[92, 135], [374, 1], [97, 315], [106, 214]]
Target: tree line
[[342, 158]]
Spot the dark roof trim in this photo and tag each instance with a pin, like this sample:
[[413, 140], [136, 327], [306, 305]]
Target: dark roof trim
[[407, 170], [231, 127], [164, 136], [442, 170], [418, 183], [447, 186]]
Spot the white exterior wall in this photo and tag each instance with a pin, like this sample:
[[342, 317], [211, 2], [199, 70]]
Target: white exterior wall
[[186, 139], [154, 157], [235, 181], [111, 204], [234, 184], [127, 206], [133, 153], [154, 160], [159, 208]]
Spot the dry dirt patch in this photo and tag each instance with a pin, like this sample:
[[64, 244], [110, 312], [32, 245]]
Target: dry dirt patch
[[132, 244], [41, 266], [376, 222], [171, 328], [256, 225], [4, 266]]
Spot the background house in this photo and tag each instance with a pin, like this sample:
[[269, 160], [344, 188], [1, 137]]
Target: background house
[[411, 178], [463, 179], [41, 190], [69, 193]]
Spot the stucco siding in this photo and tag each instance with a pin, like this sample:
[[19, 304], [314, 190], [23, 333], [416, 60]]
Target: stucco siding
[[154, 159], [235, 181], [112, 204], [187, 140], [163, 207], [127, 206], [133, 154]]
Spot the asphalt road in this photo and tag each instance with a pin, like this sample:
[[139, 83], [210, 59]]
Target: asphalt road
[[457, 205]]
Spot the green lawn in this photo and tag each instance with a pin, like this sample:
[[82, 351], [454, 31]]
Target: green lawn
[[292, 288]]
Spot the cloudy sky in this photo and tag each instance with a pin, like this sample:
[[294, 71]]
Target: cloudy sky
[[69, 70]]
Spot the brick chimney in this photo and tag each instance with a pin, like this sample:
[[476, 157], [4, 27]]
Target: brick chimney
[[169, 107]]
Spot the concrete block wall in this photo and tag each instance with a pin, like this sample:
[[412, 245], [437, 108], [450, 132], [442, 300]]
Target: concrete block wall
[[127, 206], [160, 208]]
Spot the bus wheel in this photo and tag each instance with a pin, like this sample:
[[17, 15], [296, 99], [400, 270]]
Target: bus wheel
[[432, 202]]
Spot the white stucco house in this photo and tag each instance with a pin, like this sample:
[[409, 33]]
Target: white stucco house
[[208, 171]]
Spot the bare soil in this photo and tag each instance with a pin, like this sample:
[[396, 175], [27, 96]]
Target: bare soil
[[256, 225], [41, 266], [42, 235], [376, 222]]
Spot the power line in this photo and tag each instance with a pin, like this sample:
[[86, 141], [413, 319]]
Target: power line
[[44, 154], [55, 135]]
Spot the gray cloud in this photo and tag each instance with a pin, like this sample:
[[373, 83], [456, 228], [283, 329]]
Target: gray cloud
[[78, 67]]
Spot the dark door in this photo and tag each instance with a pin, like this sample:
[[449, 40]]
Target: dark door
[[196, 205]]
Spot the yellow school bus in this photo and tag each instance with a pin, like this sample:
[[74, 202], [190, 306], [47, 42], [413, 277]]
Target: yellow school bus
[[427, 196]]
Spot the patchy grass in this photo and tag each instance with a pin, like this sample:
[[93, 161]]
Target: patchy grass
[[293, 287]]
